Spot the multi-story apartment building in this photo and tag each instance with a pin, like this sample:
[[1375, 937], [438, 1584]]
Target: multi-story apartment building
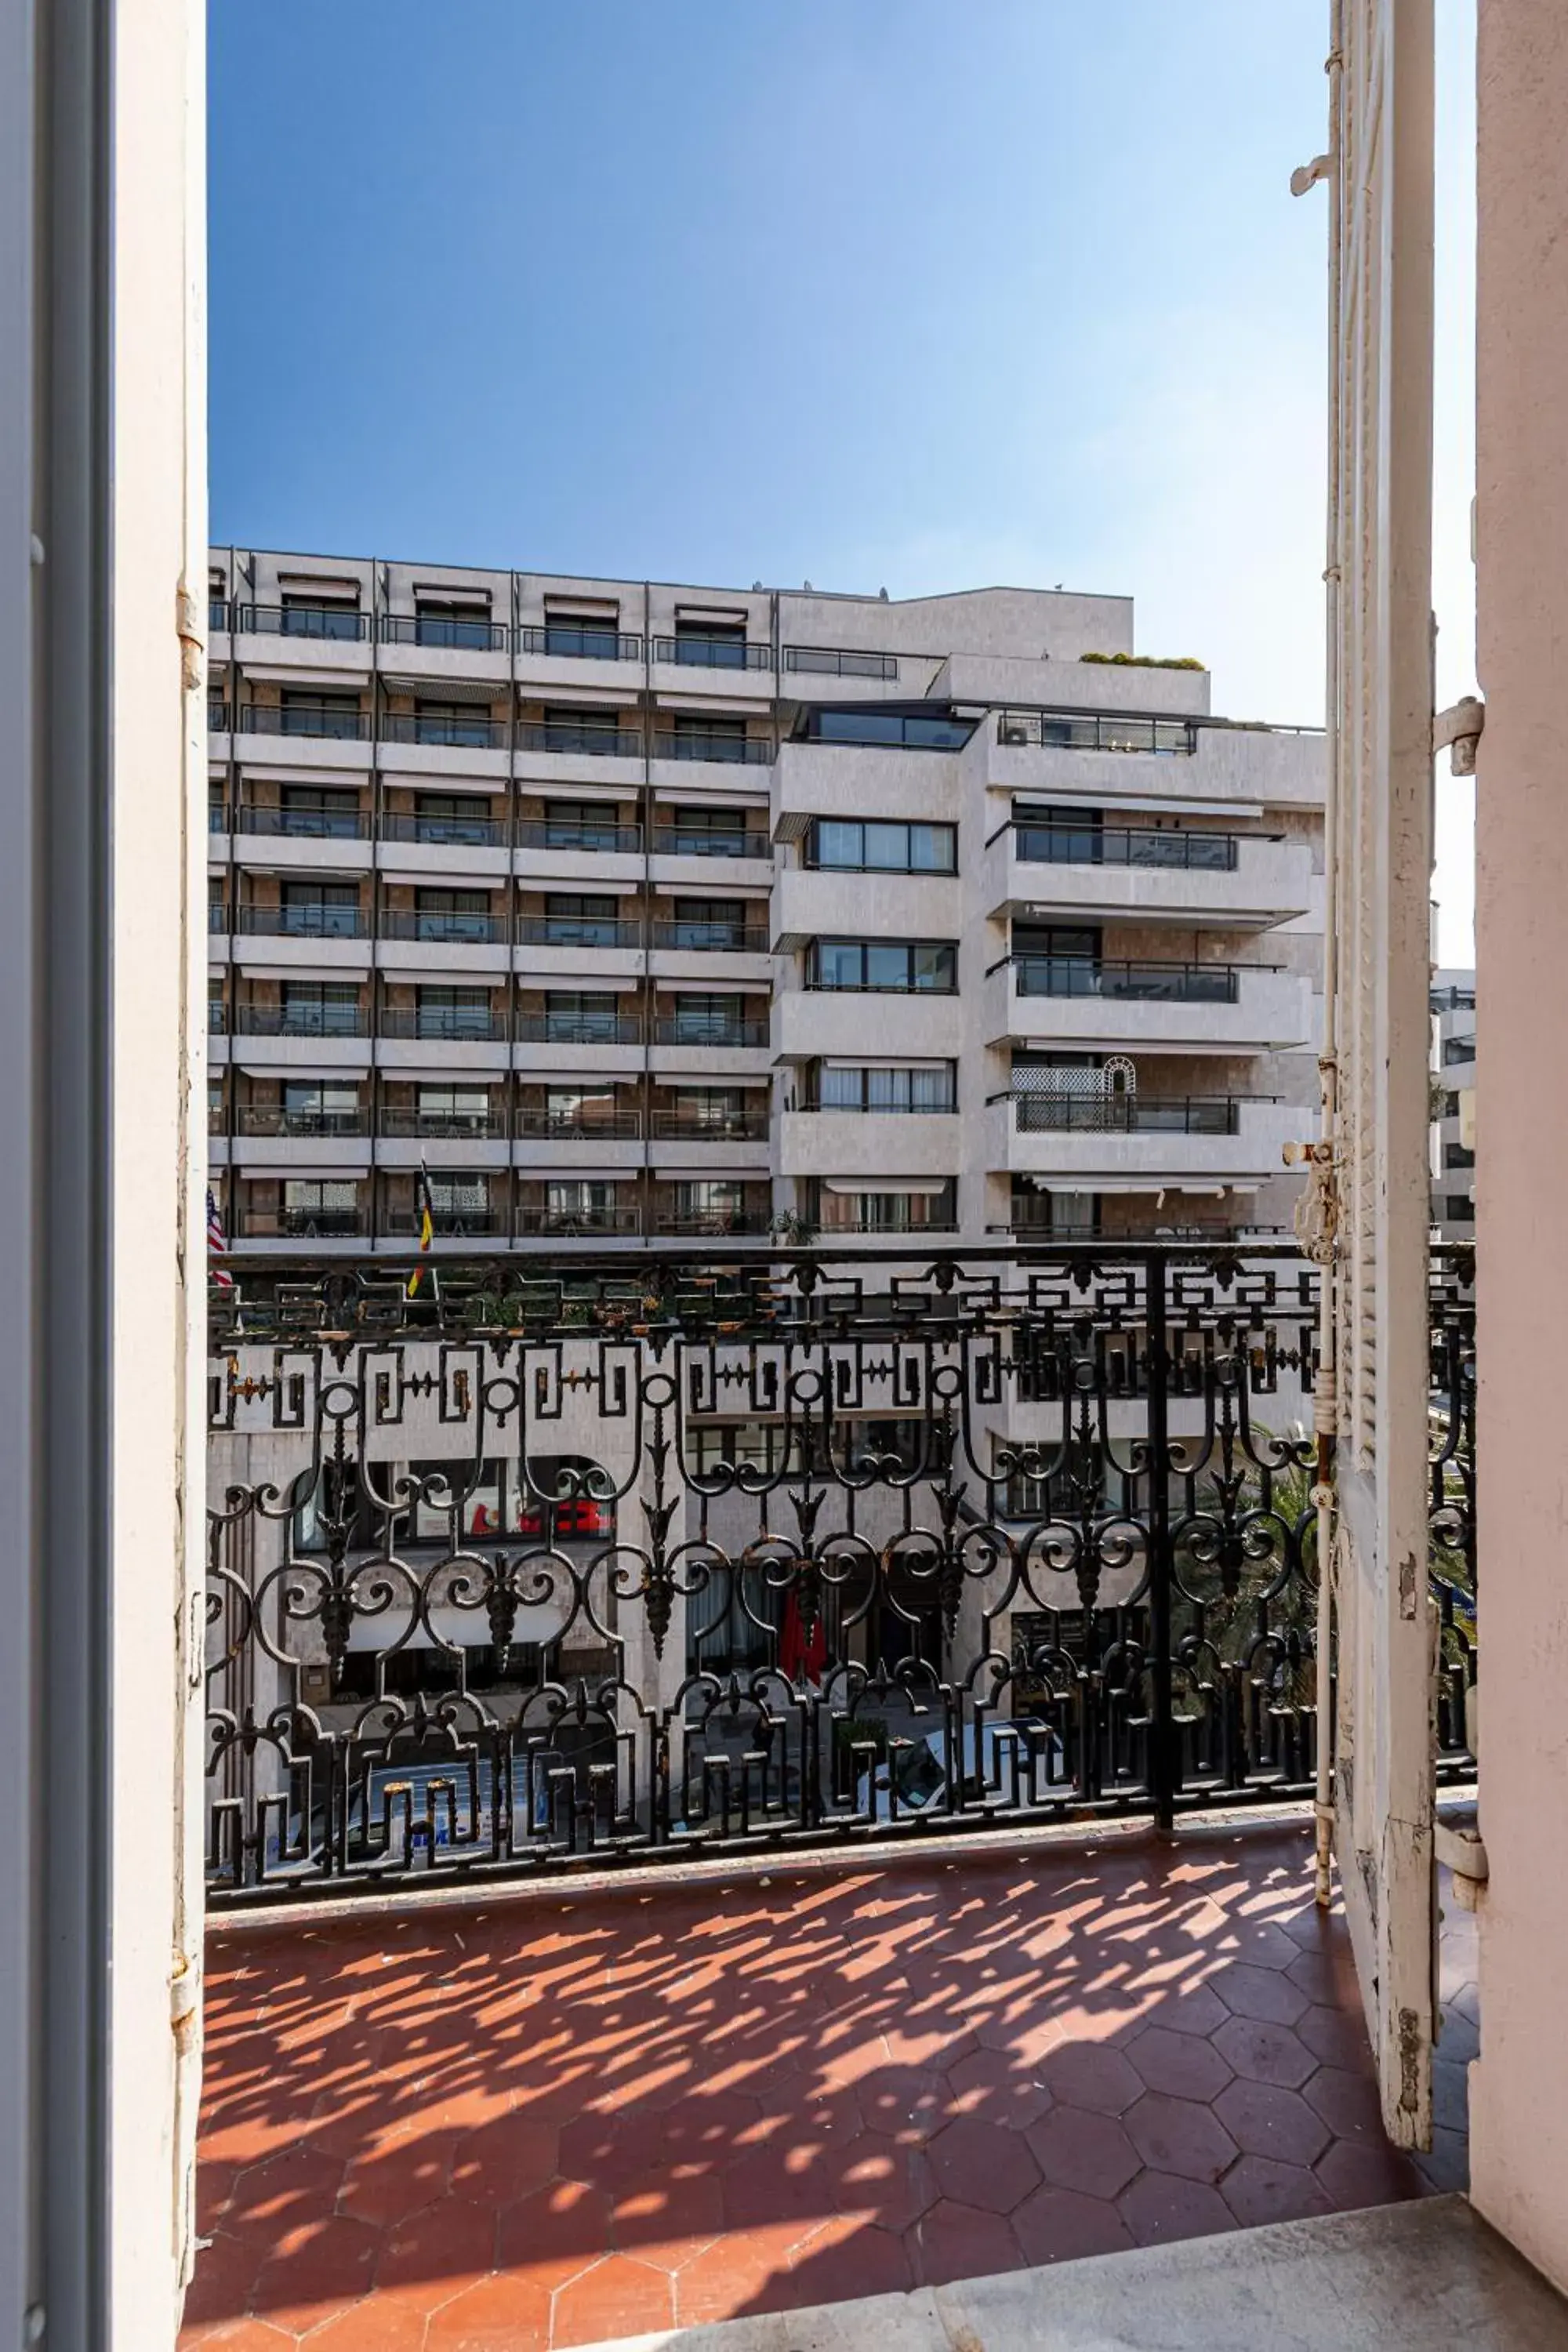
[[643, 909], [1453, 1106]]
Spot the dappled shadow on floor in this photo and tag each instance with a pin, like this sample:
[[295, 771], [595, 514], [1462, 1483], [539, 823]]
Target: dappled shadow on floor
[[555, 2120]]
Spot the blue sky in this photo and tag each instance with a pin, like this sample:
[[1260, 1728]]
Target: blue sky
[[918, 294]]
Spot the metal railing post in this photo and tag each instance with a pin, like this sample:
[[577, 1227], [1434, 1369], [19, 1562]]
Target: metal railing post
[[1162, 1772]]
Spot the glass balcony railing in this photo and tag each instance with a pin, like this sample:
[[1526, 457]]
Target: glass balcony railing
[[694, 649], [1127, 983], [1143, 846]]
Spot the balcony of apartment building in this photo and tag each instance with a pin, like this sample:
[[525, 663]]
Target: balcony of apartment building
[[706, 845], [719, 1130], [598, 741], [1126, 755], [584, 1124], [709, 1207], [956, 2011], [726, 654], [567, 836], [593, 935], [1123, 1211], [432, 633], [457, 832], [859, 1118], [1066, 861], [291, 1020], [307, 1122], [596, 1209], [319, 923], [1112, 1119], [814, 673], [319, 1208], [902, 991], [869, 875], [323, 724], [461, 728], [709, 937], [273, 826], [696, 750], [579, 646], [716, 1032], [456, 1119], [461, 931], [447, 1025], [318, 630], [1071, 983], [596, 1030], [881, 765], [470, 1207]]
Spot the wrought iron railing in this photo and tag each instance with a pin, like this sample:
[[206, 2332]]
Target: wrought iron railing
[[655, 1556]]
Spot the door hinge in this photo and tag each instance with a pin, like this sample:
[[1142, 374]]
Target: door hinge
[[1458, 730]]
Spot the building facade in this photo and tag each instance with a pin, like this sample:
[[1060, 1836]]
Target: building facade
[[1453, 1105], [635, 910]]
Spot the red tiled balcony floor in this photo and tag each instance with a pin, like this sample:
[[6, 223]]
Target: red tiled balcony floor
[[559, 2119]]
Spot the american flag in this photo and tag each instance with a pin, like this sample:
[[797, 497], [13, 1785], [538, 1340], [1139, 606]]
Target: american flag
[[217, 1245]]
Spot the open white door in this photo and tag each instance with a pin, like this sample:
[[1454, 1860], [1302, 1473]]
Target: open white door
[[1379, 721]]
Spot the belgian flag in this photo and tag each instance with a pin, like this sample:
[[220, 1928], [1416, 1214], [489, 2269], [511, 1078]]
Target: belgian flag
[[426, 1231]]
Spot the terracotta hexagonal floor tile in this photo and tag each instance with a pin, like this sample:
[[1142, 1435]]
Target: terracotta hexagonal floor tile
[[1178, 2135], [749, 2271], [1058, 2225], [665, 2217], [1335, 2037], [1265, 2052], [225, 2273], [1265, 2119], [956, 2242], [548, 2237], [1354, 2176], [394, 2181], [452, 2241], [1077, 2149], [297, 2186], [988, 2083], [238, 2336], [1349, 2104], [1159, 2205], [1259, 2189], [1266, 1993], [619, 2296], [380, 2324], [1195, 2009], [1091, 2075], [1183, 2065], [880, 2180], [498, 2314], [321, 2267], [779, 2183], [979, 2163], [847, 2259], [908, 2103]]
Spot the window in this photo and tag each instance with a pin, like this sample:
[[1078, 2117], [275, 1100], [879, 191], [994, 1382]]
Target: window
[[440, 622], [578, 1017], [578, 1199], [320, 1009], [463, 915], [580, 825], [321, 1205], [498, 1497], [1456, 1156], [715, 1203], [467, 725], [451, 818], [580, 1110], [890, 1087], [575, 918], [311, 1109], [765, 1445], [455, 1198], [912, 731], [591, 637], [708, 1020], [930, 966], [454, 1111], [310, 614], [1459, 1209], [317, 812], [709, 833], [708, 923], [452, 1012], [715, 644], [867, 846], [1458, 1049], [582, 730], [316, 713], [320, 910], [886, 1212], [707, 1111], [703, 735]]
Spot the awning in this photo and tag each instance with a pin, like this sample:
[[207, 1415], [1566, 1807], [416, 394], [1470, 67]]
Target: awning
[[891, 1184]]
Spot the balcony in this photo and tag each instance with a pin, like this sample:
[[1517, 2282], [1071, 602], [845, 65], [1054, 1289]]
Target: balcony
[[446, 733], [308, 624], [693, 650], [715, 747], [301, 1225], [274, 1119], [1095, 730], [445, 632], [686, 841], [300, 1021], [579, 1029], [452, 1224], [1244, 881], [444, 1126], [1072, 1000], [704, 1126], [444, 832], [303, 824], [838, 1142], [447, 930], [1213, 1138], [576, 839], [444, 1026], [579, 931], [810, 662], [579, 641], [702, 937], [303, 922], [590, 1127], [574, 1225], [304, 723], [697, 1034], [878, 2030]]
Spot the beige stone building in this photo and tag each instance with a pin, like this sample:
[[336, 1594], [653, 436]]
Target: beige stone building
[[637, 909]]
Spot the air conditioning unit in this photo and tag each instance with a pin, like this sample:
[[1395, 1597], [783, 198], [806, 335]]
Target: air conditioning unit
[[1014, 735]]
